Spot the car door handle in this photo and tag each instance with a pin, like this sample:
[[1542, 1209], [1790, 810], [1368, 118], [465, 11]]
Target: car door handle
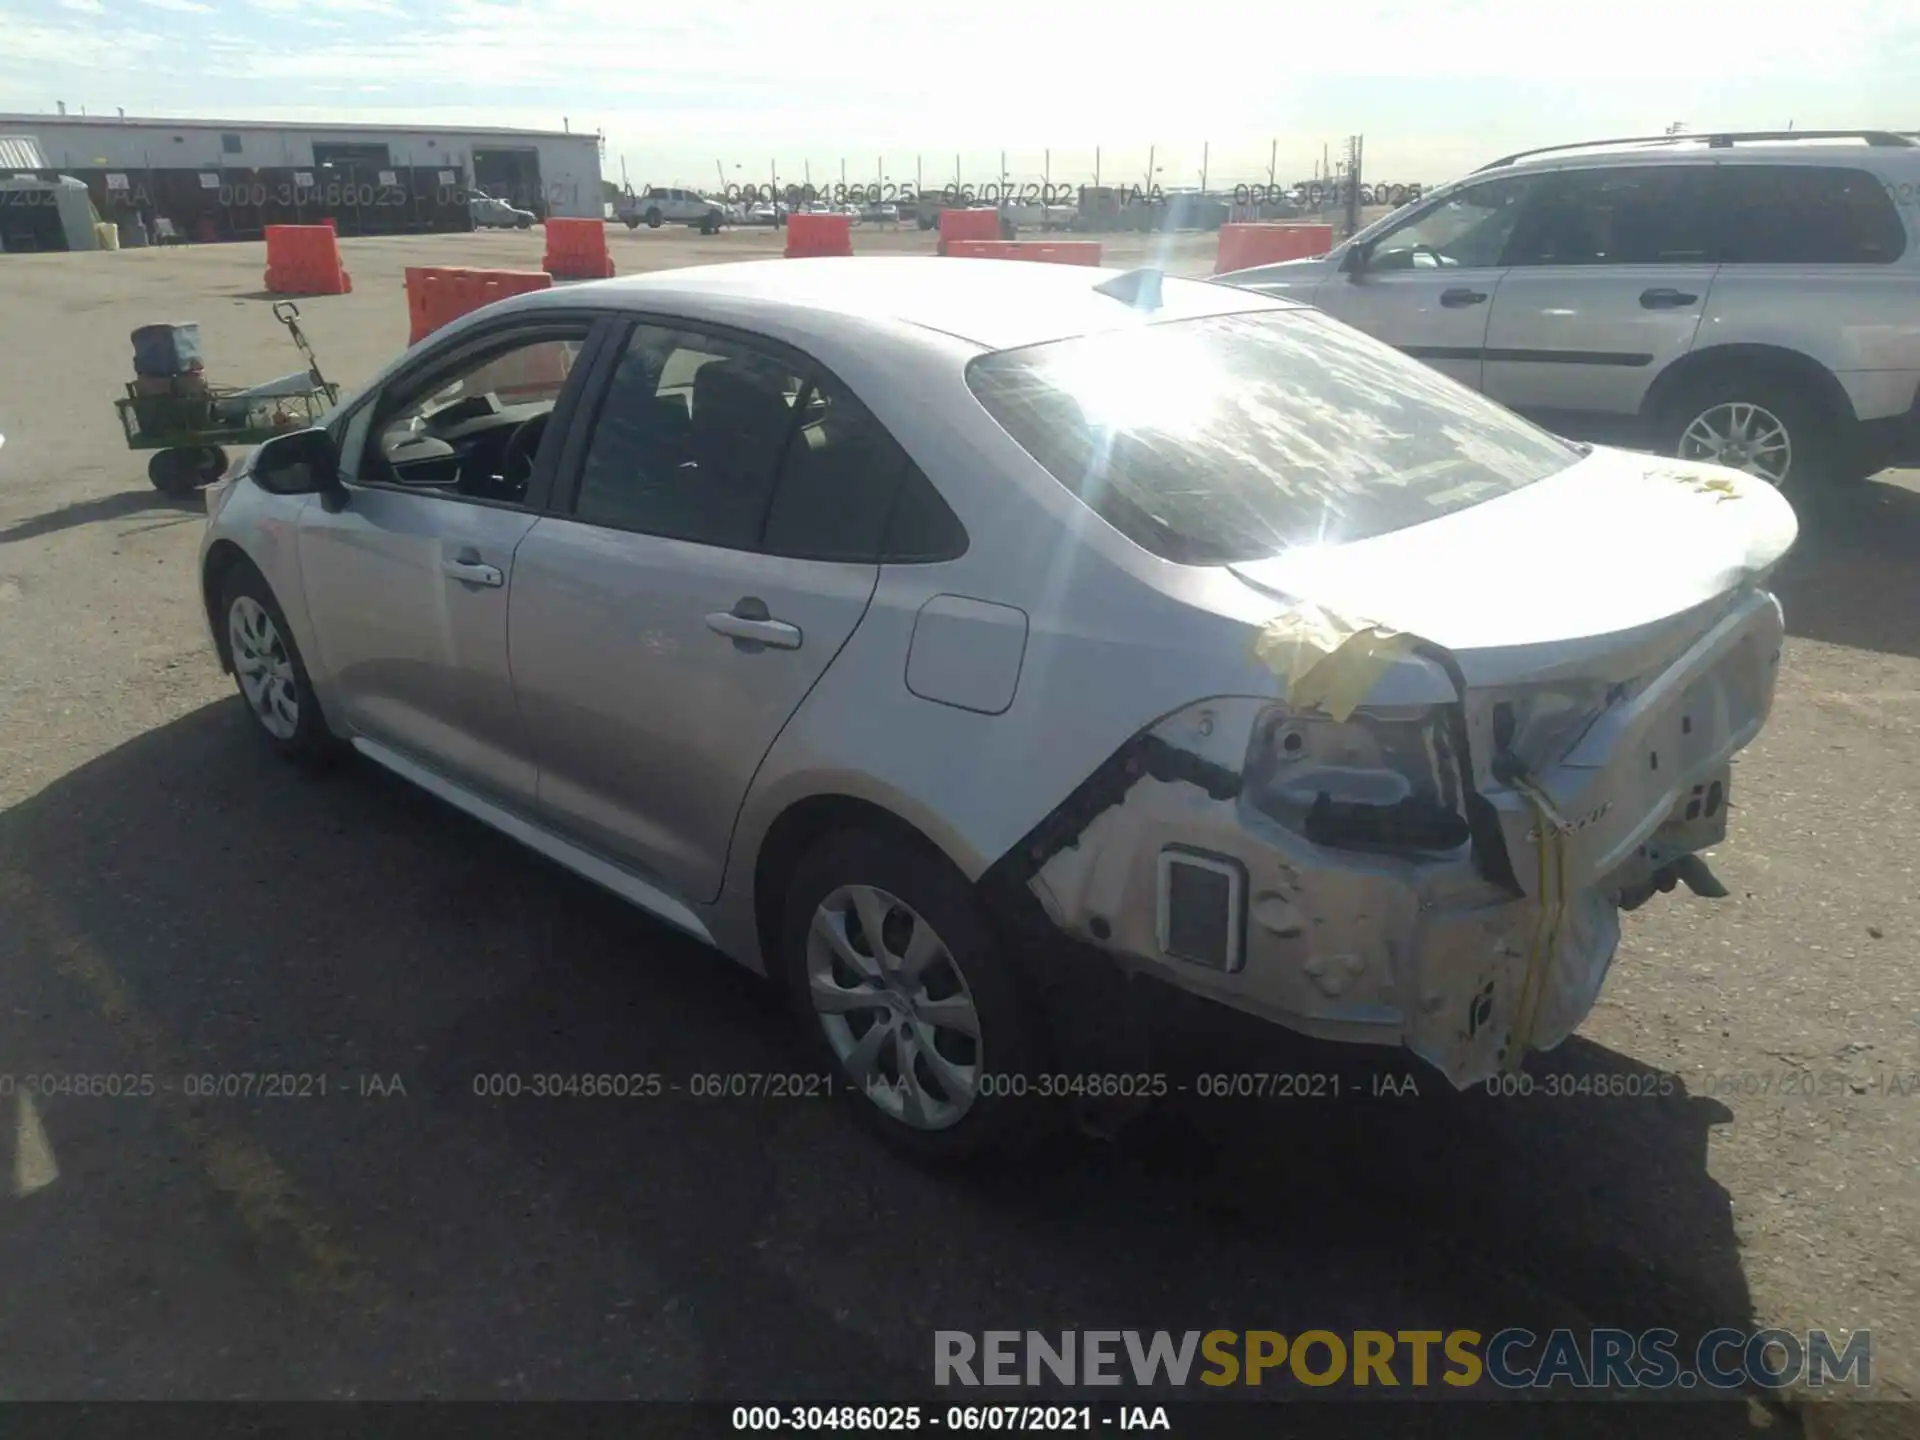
[[755, 628], [1665, 299], [473, 572], [1458, 297]]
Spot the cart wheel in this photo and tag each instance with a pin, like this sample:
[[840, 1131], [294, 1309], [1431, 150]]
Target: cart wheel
[[213, 464], [174, 472]]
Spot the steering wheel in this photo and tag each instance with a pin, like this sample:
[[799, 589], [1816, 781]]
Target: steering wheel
[[516, 461]]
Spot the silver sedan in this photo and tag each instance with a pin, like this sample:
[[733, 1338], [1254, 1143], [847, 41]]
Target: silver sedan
[[923, 632]]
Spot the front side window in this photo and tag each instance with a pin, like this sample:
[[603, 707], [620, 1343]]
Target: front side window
[[1807, 215], [1236, 437], [471, 428], [1620, 215], [1468, 229], [689, 437]]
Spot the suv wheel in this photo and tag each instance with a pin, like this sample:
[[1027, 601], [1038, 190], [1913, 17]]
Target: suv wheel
[[268, 669], [902, 990], [1757, 424], [653, 217]]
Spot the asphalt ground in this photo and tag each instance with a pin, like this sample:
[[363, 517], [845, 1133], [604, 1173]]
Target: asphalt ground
[[175, 903]]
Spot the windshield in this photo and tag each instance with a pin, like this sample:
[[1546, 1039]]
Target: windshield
[[1234, 437]]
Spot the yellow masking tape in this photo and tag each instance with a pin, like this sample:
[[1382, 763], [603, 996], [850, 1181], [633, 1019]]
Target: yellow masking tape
[[1328, 661]]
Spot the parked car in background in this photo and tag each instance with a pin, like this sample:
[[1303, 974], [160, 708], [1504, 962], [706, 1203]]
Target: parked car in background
[[489, 213], [879, 214], [1751, 299], [768, 212], [969, 646], [666, 205]]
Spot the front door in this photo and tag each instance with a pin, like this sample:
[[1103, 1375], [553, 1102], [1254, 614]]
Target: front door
[[1605, 287], [1428, 286], [659, 641], [407, 583]]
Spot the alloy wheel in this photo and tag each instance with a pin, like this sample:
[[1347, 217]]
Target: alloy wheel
[[1741, 436], [895, 1007], [264, 667]]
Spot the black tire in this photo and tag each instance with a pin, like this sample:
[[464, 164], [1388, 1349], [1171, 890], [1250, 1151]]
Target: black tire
[[311, 744], [1817, 459], [633, 222], [1010, 1040], [523, 223], [174, 472], [212, 463], [653, 218]]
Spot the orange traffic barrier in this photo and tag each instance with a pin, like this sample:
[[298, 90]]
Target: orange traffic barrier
[[1056, 252], [809, 234], [305, 260], [437, 294], [1268, 242], [967, 225], [577, 250]]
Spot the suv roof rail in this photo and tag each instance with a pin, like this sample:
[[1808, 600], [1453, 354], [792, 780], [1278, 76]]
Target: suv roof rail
[[1719, 140]]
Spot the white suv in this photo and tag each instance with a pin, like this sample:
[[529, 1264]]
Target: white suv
[[663, 205], [1748, 299]]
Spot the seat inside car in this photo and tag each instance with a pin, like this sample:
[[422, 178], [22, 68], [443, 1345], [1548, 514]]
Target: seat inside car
[[740, 416]]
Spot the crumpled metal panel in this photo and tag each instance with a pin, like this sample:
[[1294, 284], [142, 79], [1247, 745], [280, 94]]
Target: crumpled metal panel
[[1418, 949]]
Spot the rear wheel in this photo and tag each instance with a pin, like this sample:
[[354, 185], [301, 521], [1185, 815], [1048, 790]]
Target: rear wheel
[[1760, 424], [903, 991], [175, 472], [653, 218]]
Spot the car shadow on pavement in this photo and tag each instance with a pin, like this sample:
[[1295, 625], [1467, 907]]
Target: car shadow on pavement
[[1849, 578], [749, 1247], [108, 507]]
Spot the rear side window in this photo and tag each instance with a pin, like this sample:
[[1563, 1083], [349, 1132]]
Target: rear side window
[[1235, 437], [688, 438], [848, 491], [1620, 215], [1807, 215]]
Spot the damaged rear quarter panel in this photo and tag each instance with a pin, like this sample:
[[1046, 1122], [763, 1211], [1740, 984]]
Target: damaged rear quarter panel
[[1402, 940]]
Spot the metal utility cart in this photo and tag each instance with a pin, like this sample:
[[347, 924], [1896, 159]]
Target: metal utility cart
[[189, 426]]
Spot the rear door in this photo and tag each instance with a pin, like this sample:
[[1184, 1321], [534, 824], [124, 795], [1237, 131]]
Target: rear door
[[1429, 284], [1605, 286], [663, 631]]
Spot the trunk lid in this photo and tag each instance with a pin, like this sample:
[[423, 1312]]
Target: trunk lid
[[1610, 627], [1580, 573]]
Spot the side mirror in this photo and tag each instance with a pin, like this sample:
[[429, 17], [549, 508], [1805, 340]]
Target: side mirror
[[1354, 262], [302, 462]]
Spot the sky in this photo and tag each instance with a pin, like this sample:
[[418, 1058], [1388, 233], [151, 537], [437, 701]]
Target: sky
[[748, 88]]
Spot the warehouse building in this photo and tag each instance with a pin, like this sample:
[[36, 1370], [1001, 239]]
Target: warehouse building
[[228, 179]]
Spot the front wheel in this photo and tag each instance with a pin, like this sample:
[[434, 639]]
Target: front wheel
[[267, 667], [633, 222], [1757, 424], [902, 989], [653, 219]]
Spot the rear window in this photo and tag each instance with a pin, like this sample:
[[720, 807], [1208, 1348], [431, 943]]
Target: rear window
[[1808, 215], [1237, 436]]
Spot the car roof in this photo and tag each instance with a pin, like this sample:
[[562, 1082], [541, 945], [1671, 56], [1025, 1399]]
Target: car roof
[[1692, 149], [996, 304]]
